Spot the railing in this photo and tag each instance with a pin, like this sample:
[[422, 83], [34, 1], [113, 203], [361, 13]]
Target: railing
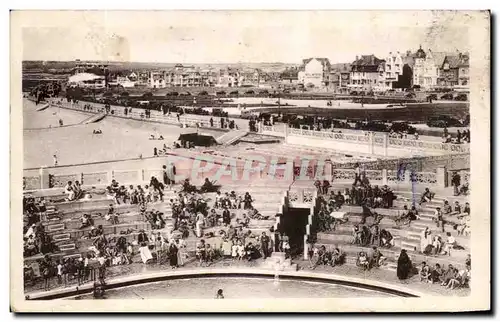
[[192, 120], [378, 140], [240, 174], [429, 145]]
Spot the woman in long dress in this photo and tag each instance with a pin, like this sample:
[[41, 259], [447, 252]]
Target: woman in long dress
[[404, 265], [172, 254], [181, 254], [425, 239]]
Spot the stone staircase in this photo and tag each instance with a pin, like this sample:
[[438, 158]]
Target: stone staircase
[[231, 137]]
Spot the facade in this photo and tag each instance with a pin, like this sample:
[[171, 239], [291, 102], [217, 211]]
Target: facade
[[229, 78], [314, 72], [251, 77], [454, 71], [393, 69], [290, 76], [448, 72], [426, 71], [182, 76], [340, 75], [463, 70], [157, 80], [367, 72]]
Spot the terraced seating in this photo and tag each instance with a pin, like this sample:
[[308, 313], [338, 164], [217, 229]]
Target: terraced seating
[[405, 237]]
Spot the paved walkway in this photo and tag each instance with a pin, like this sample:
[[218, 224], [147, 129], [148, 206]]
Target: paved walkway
[[347, 270]]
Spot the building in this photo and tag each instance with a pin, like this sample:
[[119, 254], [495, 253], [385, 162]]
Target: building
[[340, 75], [251, 77], [229, 78], [393, 68], [87, 80], [463, 70], [427, 69], [367, 72], [454, 72], [157, 80], [182, 76], [289, 77], [396, 72], [314, 72]]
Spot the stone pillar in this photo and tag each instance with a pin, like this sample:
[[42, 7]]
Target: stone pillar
[[371, 143], [442, 177], [386, 144], [306, 253], [328, 171], [44, 178], [384, 176], [407, 176]]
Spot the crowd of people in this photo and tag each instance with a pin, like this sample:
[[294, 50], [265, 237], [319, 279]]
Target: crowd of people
[[36, 240], [461, 137], [451, 277], [153, 192], [325, 257]]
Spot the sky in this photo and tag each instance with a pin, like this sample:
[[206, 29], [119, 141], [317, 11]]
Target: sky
[[237, 36]]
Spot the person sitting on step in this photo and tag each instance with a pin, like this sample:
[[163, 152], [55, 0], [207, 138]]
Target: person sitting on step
[[427, 196]]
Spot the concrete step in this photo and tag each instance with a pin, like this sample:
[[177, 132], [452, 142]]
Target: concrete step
[[55, 227], [61, 237], [67, 247]]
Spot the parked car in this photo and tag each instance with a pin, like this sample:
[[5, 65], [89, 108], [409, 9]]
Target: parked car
[[461, 97], [432, 97], [447, 96], [443, 121]]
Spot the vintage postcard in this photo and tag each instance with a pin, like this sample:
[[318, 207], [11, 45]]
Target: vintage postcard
[[252, 161]]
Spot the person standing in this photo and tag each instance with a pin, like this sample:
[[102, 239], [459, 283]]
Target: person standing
[[55, 160], [166, 176], [455, 182], [172, 254], [404, 265], [264, 243]]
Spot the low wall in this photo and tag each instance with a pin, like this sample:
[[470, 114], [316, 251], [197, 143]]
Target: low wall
[[389, 288], [224, 170], [194, 166], [374, 144]]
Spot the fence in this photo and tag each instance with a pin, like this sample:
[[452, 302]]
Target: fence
[[139, 114], [418, 164], [370, 139]]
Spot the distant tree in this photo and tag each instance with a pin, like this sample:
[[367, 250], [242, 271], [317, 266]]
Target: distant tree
[[250, 92], [221, 93], [310, 85], [147, 95], [234, 93], [203, 93], [125, 94], [108, 94]]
